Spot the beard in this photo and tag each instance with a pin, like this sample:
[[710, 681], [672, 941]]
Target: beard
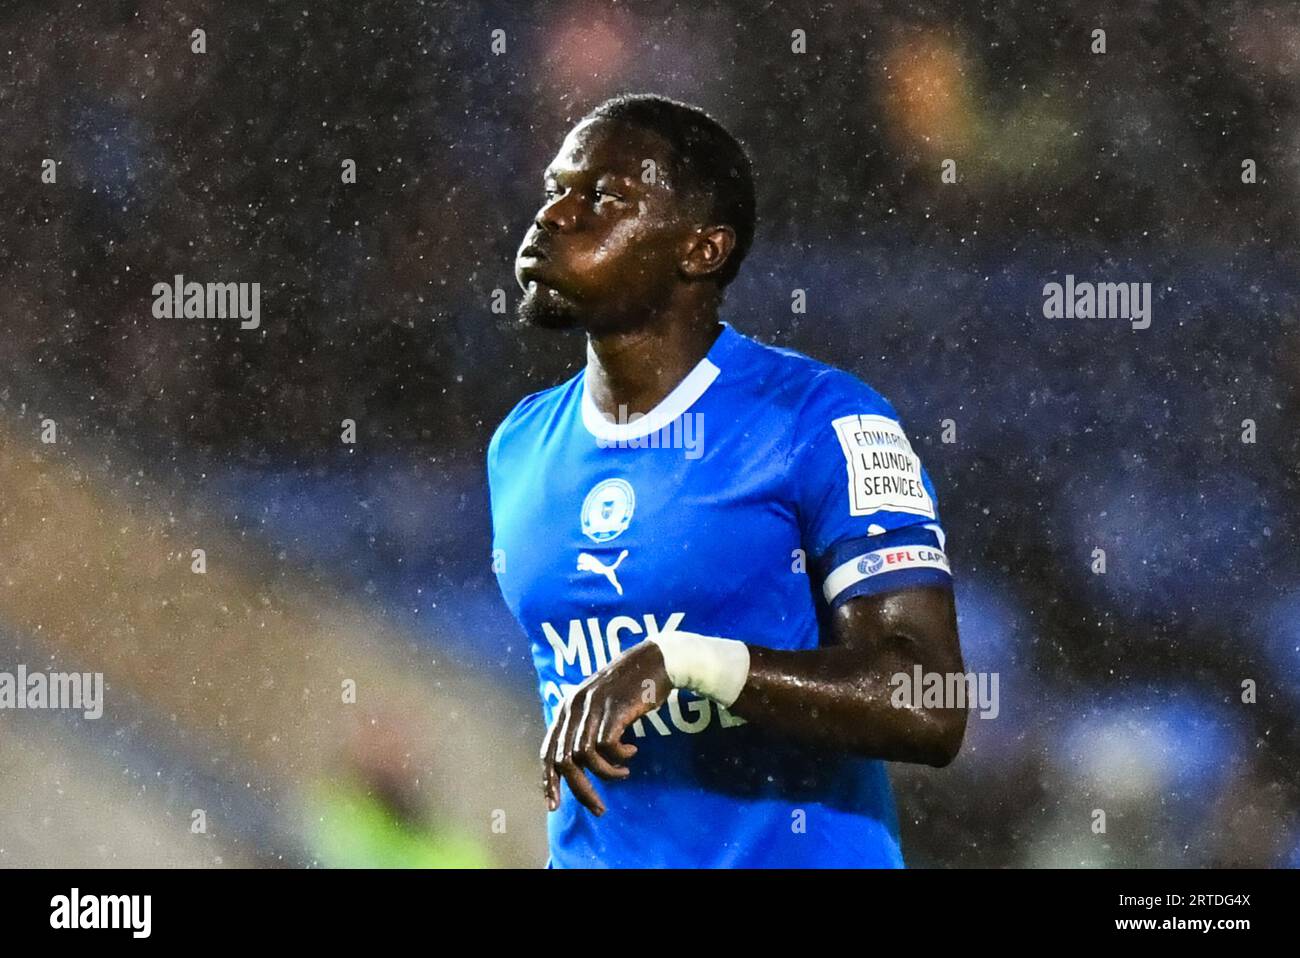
[[544, 307]]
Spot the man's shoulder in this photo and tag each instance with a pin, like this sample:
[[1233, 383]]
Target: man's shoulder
[[531, 410], [806, 386]]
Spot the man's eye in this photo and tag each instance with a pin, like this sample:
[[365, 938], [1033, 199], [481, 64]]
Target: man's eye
[[601, 194]]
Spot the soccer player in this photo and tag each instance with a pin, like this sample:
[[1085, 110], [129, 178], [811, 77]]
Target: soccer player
[[722, 552]]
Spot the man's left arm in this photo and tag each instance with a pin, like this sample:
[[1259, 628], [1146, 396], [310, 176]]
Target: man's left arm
[[843, 695], [839, 695]]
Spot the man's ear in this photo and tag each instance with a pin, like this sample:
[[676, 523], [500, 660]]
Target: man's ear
[[709, 248]]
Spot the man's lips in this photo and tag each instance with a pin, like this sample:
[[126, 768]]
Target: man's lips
[[532, 265], [532, 272]]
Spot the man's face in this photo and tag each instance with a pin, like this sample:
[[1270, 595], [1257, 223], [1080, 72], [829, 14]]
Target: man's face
[[605, 248]]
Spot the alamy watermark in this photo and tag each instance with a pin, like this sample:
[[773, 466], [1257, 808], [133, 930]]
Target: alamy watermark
[[1087, 300], [83, 691], [946, 690], [182, 300], [133, 913], [686, 432]]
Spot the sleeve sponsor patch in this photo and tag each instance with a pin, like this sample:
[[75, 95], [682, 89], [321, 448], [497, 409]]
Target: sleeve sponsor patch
[[884, 472]]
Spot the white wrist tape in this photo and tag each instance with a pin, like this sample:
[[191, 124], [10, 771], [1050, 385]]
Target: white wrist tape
[[705, 664]]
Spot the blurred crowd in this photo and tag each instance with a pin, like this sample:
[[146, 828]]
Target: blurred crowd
[[1173, 448]]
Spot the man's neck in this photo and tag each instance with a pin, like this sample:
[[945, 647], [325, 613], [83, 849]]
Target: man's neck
[[636, 370]]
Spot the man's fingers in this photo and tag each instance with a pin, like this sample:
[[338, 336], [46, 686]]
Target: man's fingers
[[581, 786], [616, 752], [550, 788], [568, 727], [586, 735], [609, 741], [550, 779], [609, 771], [568, 757], [588, 755], [548, 740]]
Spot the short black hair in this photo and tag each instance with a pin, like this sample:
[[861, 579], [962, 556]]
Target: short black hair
[[710, 161]]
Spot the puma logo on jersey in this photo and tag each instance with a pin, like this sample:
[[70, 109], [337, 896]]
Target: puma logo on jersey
[[589, 563]]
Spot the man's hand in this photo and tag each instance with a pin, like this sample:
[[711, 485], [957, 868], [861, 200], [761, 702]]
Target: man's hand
[[588, 728]]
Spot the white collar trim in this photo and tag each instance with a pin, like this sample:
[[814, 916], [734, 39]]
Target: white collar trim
[[686, 393]]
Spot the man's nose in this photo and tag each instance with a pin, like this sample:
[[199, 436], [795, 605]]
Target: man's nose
[[556, 216]]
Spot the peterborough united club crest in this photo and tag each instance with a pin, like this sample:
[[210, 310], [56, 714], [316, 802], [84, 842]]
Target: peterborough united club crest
[[607, 510]]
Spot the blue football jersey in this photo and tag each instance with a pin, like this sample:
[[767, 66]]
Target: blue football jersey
[[763, 491]]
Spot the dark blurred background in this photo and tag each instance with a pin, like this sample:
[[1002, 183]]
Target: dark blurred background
[[331, 562]]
